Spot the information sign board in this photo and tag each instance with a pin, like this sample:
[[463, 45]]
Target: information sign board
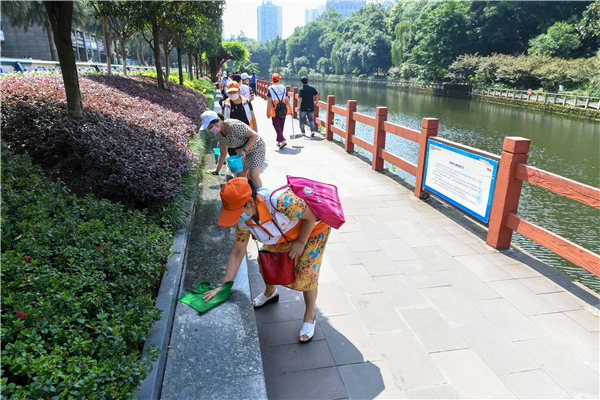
[[461, 175]]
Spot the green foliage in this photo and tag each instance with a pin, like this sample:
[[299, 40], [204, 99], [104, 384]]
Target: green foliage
[[303, 71], [76, 289], [201, 85], [526, 72], [589, 26], [275, 64], [324, 65], [560, 41]]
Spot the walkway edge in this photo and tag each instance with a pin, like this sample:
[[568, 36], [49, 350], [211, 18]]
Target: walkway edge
[[160, 333]]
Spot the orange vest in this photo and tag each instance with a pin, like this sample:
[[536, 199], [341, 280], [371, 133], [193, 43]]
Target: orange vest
[[275, 94]]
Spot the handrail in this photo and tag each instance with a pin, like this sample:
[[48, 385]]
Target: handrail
[[564, 99], [512, 172], [573, 190]]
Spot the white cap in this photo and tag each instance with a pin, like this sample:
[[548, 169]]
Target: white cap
[[245, 76], [207, 118]]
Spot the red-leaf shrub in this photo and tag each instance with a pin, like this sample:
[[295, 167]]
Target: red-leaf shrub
[[131, 145]]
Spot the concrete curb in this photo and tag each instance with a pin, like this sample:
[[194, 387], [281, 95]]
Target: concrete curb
[[160, 333]]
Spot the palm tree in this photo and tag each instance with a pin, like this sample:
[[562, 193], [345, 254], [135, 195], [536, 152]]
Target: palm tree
[[25, 14]]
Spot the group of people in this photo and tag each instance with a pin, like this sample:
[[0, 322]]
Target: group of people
[[275, 216]]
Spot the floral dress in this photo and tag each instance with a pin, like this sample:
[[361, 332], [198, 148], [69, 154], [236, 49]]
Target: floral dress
[[235, 139], [308, 265]]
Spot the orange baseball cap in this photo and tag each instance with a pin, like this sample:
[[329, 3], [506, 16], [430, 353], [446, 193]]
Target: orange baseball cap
[[275, 77], [233, 87], [234, 195]]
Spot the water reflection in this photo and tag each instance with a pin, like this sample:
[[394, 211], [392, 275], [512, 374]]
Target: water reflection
[[563, 145]]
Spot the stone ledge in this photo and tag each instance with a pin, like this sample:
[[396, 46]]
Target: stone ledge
[[160, 333]]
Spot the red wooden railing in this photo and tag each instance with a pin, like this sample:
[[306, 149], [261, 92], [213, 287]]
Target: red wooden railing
[[512, 172]]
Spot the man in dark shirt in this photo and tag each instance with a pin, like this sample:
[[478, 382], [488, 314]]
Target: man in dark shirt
[[308, 97]]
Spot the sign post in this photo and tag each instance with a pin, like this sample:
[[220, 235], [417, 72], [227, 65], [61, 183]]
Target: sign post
[[461, 175]]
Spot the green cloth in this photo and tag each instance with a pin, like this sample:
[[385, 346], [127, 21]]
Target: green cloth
[[195, 298]]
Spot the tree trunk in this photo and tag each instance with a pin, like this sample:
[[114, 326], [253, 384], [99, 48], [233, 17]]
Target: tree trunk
[[137, 50], [106, 45], [116, 51], [156, 39], [197, 65], [180, 65], [190, 65], [167, 66], [60, 14], [50, 40], [122, 41]]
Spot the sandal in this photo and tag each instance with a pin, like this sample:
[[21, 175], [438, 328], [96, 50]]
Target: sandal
[[308, 329], [261, 300]]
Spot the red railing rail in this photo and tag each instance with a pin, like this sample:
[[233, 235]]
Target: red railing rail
[[381, 128], [512, 172]]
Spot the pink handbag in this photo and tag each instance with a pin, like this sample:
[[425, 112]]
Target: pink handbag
[[322, 199]]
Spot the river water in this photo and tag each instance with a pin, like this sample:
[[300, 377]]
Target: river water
[[564, 145]]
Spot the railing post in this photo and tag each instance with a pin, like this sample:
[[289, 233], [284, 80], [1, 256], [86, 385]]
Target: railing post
[[329, 121], [429, 128], [379, 140], [295, 103], [507, 192], [350, 125]]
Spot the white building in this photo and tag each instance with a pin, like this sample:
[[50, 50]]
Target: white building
[[269, 21], [311, 14], [345, 7]]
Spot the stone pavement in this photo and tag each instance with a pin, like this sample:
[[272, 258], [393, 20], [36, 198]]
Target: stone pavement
[[413, 304]]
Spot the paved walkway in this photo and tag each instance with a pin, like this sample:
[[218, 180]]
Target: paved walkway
[[413, 304]]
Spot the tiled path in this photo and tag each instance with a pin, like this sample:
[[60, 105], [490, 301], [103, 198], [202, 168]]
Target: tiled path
[[413, 304]]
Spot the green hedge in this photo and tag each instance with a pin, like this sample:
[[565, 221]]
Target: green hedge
[[200, 85], [77, 277]]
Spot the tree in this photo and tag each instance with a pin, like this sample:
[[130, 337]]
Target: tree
[[122, 25], [234, 51], [560, 40], [336, 60], [589, 26], [275, 64], [399, 44], [101, 11], [324, 65], [60, 14]]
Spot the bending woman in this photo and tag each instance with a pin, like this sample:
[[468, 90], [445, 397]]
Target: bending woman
[[237, 135], [256, 211]]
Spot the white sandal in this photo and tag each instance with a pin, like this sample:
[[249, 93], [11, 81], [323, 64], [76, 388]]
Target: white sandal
[[262, 300], [308, 329]]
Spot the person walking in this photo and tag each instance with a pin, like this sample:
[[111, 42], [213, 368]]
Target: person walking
[[253, 81], [309, 96], [224, 83], [277, 108], [235, 134], [245, 90], [268, 214], [238, 106]]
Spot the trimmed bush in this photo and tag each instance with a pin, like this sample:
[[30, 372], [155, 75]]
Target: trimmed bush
[[200, 85], [131, 146], [77, 276]]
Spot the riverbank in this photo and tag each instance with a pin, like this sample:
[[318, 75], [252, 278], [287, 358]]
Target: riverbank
[[460, 91]]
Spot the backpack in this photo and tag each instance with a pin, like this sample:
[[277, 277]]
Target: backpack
[[321, 198], [280, 108]]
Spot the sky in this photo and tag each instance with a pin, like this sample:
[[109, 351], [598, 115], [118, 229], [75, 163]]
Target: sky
[[241, 15]]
